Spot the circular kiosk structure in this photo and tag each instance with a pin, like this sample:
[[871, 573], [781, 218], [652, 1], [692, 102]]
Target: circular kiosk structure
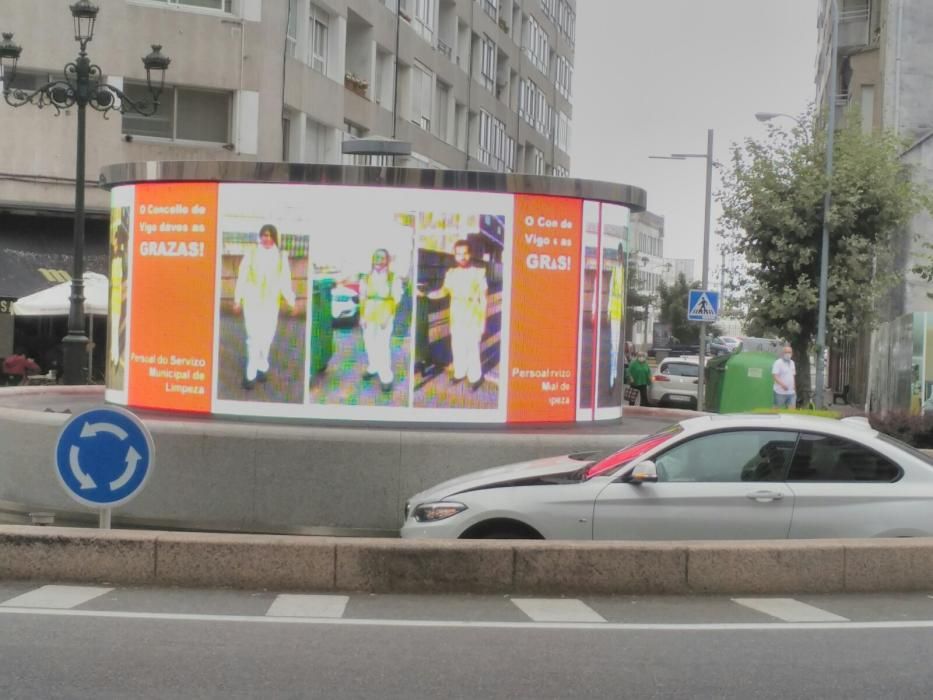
[[419, 310], [369, 294]]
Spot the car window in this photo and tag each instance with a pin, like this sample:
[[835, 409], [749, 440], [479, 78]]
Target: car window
[[738, 455], [831, 458], [680, 369]]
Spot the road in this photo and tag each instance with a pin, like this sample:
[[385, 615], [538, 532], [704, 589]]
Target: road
[[97, 642]]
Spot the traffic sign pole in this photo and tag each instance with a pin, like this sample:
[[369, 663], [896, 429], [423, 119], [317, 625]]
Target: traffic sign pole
[[103, 518]]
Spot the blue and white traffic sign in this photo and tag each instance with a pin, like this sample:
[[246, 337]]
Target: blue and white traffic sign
[[703, 305], [104, 457]]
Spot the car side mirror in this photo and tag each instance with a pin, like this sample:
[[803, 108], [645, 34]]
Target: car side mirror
[[643, 473]]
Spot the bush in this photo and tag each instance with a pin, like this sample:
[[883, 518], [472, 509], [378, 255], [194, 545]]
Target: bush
[[914, 430]]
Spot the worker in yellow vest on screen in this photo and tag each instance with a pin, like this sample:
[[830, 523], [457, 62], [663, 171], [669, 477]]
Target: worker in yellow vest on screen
[[380, 294], [616, 313]]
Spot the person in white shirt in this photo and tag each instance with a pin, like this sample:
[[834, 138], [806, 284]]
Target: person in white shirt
[[784, 372], [466, 285]]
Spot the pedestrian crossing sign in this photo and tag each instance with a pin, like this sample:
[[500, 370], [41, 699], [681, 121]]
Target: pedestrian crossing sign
[[703, 305]]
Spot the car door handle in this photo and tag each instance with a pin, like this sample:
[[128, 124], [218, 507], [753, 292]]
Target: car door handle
[[765, 496]]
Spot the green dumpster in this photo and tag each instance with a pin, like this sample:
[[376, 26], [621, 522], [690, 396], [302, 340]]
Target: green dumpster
[[322, 328], [746, 383], [715, 374]]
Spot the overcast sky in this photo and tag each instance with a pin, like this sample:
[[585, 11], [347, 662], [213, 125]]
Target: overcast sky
[[651, 76]]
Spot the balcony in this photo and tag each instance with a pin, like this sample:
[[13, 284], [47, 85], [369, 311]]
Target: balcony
[[854, 28]]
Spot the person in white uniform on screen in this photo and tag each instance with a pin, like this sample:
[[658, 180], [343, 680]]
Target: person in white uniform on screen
[[380, 294], [264, 279], [466, 285], [784, 373]]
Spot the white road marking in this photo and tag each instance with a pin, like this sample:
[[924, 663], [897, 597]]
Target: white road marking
[[789, 610], [290, 605], [59, 597], [456, 624], [557, 610]]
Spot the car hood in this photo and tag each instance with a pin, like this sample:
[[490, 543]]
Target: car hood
[[512, 474]]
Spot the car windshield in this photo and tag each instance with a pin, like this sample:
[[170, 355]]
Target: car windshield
[[620, 458]]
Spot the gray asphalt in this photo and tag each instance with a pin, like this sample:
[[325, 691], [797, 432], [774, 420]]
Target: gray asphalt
[[375, 651]]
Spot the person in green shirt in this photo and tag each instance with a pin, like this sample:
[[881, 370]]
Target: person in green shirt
[[639, 377]]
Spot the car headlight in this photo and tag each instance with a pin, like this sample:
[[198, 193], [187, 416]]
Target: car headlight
[[431, 512]]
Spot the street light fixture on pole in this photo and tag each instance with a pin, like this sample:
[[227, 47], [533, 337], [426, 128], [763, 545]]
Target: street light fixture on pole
[[708, 156], [82, 86], [818, 391]]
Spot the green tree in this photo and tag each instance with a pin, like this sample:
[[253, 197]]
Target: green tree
[[772, 200]]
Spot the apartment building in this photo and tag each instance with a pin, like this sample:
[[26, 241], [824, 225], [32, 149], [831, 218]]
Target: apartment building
[[469, 84], [647, 243], [884, 61]]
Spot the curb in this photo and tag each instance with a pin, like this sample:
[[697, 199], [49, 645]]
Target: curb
[[296, 563]]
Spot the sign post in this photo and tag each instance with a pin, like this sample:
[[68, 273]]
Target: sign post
[[103, 458], [702, 306]]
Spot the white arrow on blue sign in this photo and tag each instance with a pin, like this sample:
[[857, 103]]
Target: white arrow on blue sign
[[104, 457], [703, 305]]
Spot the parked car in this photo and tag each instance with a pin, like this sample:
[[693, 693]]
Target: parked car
[[675, 382], [345, 304], [722, 345], [710, 477]]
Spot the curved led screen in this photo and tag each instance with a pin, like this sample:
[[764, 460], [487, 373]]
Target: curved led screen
[[365, 303]]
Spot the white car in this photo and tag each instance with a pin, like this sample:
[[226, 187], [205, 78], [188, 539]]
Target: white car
[[344, 304], [711, 477], [675, 382]]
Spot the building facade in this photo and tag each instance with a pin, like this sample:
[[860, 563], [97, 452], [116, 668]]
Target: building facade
[[470, 84], [884, 62], [647, 243]]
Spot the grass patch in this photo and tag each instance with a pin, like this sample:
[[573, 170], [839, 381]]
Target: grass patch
[[826, 413]]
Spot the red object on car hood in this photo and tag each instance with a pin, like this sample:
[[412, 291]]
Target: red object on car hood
[[627, 454]]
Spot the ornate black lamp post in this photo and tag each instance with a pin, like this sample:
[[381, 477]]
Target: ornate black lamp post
[[82, 86]]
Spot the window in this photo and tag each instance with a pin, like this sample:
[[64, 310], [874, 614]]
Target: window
[[739, 455], [221, 5], [291, 33], [496, 147], [827, 458], [533, 107], [564, 77], [421, 14], [422, 95], [491, 8], [318, 20], [536, 44], [567, 20], [443, 105], [538, 162], [550, 8], [681, 369], [562, 132], [185, 114], [488, 63], [561, 171]]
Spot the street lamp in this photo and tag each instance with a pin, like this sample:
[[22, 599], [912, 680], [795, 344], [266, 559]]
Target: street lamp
[[708, 156], [827, 202], [82, 86]]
